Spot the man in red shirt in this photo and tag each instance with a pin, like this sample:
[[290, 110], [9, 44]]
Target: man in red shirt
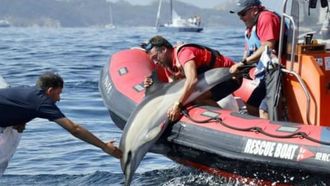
[[262, 29], [187, 61]]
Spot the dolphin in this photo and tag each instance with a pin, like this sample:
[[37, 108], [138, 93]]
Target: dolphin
[[149, 120]]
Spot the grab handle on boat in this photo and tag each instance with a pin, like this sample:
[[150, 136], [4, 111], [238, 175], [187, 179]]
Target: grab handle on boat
[[307, 94]]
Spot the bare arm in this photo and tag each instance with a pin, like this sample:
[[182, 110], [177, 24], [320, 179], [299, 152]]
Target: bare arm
[[257, 54], [188, 87], [253, 58], [85, 135], [191, 80]]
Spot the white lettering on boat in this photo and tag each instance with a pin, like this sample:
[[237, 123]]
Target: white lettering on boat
[[285, 151], [270, 149], [322, 156], [261, 148]]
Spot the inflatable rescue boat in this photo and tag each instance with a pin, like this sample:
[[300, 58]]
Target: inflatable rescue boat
[[235, 144]]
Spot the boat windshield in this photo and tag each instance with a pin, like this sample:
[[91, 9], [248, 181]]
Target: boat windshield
[[311, 20]]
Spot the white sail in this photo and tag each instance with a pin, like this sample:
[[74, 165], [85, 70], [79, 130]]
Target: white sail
[[110, 25], [175, 22], [158, 13]]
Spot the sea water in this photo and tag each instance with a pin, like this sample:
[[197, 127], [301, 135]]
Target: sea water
[[47, 154]]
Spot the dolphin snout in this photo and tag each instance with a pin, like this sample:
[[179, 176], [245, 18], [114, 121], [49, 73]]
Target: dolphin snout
[[127, 169], [128, 162]]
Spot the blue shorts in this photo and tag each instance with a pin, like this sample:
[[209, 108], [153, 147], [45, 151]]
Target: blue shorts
[[258, 94], [263, 105]]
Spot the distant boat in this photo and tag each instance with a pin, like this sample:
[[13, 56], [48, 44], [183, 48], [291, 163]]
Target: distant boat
[[176, 23], [110, 25], [4, 23]]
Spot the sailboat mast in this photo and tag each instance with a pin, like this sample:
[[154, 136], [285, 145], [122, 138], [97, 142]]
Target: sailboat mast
[[110, 13], [158, 14], [171, 14]]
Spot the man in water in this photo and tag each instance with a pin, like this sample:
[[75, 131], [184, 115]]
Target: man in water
[[262, 29], [187, 61], [19, 105]]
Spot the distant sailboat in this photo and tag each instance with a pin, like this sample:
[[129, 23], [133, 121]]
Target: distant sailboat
[[110, 25], [176, 23], [4, 23]]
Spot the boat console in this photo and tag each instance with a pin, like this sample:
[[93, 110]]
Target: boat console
[[307, 80]]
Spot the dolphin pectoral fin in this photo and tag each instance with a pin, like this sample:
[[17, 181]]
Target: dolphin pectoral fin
[[154, 132]]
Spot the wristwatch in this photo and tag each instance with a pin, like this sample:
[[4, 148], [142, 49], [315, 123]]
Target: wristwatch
[[244, 61], [178, 104]]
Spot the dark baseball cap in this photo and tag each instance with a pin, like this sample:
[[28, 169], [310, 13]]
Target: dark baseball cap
[[241, 5]]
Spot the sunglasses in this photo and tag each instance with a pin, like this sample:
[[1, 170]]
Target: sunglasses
[[243, 12]]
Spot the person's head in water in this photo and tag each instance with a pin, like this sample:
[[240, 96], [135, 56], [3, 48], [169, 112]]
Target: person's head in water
[[52, 84], [159, 51]]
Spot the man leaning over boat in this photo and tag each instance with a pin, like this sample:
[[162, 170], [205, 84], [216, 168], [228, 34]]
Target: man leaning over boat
[[187, 61]]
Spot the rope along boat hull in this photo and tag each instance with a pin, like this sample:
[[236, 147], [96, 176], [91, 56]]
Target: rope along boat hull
[[220, 141]]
